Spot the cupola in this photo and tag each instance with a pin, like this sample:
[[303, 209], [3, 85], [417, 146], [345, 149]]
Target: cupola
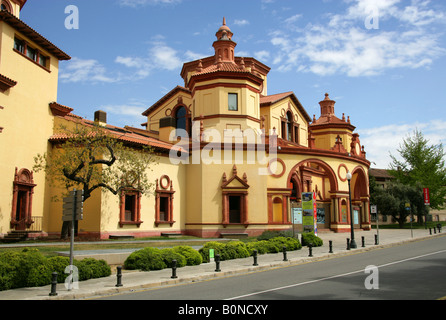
[[224, 46]]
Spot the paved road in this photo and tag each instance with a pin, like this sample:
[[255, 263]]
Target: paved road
[[411, 271]]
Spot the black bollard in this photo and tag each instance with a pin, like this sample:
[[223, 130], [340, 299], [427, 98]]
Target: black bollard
[[376, 239], [435, 230], [53, 285], [363, 241], [439, 228], [118, 276], [217, 263], [310, 250], [254, 254], [430, 231], [348, 244], [284, 254], [174, 269], [330, 246]]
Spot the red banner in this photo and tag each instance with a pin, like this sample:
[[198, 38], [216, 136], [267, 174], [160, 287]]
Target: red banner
[[426, 195]]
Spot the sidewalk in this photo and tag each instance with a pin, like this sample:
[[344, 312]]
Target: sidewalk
[[136, 280]]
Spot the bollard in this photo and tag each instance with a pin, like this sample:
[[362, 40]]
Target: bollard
[[439, 228], [430, 231], [53, 285], [376, 239], [284, 254], [330, 246], [348, 244], [310, 250], [435, 230], [254, 254], [118, 276], [363, 241], [217, 263], [174, 269]]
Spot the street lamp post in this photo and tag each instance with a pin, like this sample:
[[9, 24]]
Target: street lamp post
[[352, 231]]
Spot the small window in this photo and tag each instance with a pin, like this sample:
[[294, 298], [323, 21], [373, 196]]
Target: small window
[[19, 45], [232, 102], [31, 53], [42, 60]]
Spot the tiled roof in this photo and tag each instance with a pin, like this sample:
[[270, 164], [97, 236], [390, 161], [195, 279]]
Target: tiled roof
[[33, 35], [165, 98], [223, 66], [122, 134], [274, 98]]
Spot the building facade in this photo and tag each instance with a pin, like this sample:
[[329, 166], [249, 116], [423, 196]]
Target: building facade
[[247, 156]]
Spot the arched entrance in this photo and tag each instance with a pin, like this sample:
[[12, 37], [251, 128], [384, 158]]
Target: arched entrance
[[313, 175], [360, 199], [23, 190]]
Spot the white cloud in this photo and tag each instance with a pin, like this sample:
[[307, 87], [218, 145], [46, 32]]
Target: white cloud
[[241, 22], [380, 142], [85, 70], [344, 45]]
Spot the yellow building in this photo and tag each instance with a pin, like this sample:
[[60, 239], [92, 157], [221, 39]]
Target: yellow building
[[248, 155]]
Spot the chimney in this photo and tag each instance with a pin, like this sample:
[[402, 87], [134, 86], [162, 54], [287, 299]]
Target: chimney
[[100, 118]]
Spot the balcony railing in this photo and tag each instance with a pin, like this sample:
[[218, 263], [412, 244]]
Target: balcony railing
[[34, 226]]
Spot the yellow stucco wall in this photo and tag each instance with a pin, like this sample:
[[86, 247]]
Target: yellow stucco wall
[[26, 119]]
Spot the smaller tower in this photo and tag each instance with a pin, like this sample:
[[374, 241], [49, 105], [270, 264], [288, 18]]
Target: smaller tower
[[224, 46]]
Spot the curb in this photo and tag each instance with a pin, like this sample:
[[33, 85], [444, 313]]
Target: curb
[[240, 271]]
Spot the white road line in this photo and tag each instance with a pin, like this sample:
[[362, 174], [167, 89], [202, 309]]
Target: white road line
[[332, 277]]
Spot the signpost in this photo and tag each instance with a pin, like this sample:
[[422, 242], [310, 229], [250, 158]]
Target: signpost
[[407, 205], [73, 211], [309, 211], [374, 210]]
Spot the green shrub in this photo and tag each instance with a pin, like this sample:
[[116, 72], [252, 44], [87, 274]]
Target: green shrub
[[145, 259], [291, 244], [234, 250], [58, 264], [7, 276], [308, 238], [204, 251], [270, 234], [193, 258], [261, 246], [169, 254], [98, 268]]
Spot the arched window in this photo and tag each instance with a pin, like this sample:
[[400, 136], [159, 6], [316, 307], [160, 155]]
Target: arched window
[[6, 6], [290, 128], [182, 120], [289, 117]]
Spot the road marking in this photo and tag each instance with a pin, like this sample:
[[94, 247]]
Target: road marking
[[332, 277]]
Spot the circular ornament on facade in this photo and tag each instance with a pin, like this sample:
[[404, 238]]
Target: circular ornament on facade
[[274, 168], [168, 112], [342, 174], [164, 182]]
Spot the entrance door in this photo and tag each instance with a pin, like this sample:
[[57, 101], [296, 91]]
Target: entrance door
[[21, 210], [235, 209]]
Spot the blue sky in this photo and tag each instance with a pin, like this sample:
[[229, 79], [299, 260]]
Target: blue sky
[[383, 61]]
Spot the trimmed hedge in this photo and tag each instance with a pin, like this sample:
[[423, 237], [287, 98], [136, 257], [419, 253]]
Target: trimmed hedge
[[310, 237], [29, 268], [145, 259], [193, 258], [156, 259]]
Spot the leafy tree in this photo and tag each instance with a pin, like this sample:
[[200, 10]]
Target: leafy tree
[[91, 157], [392, 201], [424, 164]]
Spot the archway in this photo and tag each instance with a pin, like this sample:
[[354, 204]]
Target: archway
[[314, 175], [360, 198]]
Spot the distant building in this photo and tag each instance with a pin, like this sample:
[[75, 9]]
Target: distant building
[[222, 115], [382, 178]]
